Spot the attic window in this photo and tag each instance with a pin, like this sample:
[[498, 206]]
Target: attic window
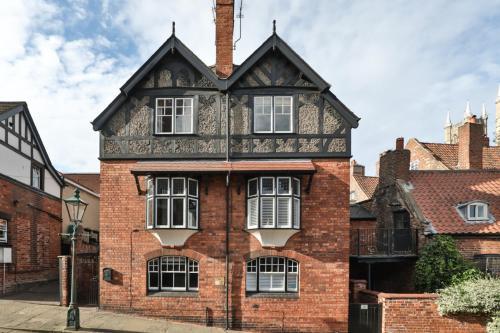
[[475, 212], [273, 114], [174, 116]]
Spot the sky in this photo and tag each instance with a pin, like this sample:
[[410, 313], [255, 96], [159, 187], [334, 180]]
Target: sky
[[399, 65]]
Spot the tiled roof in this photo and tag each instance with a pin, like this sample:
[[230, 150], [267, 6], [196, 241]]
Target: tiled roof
[[367, 183], [359, 212], [88, 180], [448, 154], [6, 106], [437, 193], [223, 166]]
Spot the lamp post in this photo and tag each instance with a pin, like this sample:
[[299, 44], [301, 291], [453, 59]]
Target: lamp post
[[76, 208]]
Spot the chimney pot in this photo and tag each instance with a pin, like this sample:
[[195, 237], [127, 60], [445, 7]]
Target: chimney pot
[[224, 25], [400, 143]]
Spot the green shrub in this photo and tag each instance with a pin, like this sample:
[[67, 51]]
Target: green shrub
[[477, 296], [438, 263]]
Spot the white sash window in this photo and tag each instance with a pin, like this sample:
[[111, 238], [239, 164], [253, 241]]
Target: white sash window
[[272, 274]]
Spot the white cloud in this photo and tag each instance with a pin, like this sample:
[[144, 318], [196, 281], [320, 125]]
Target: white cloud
[[399, 65]]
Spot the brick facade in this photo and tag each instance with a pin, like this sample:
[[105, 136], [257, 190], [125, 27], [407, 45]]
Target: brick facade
[[471, 246], [320, 248], [34, 224]]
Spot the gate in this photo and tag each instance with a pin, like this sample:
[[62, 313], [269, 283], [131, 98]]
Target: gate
[[88, 279], [365, 318]]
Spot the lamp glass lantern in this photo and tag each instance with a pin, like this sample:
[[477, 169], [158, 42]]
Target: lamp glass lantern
[[76, 207]]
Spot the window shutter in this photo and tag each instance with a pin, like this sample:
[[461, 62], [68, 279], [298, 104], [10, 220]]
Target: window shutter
[[296, 213], [292, 282], [251, 282], [264, 281], [253, 213], [284, 212], [267, 212], [278, 282]]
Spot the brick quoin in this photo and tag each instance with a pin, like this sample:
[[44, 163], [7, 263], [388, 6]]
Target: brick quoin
[[33, 234], [321, 248]]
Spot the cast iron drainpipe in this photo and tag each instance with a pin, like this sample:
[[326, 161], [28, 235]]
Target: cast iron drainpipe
[[228, 211]]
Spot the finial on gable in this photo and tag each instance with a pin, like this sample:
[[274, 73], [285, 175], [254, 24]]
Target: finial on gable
[[274, 26], [173, 28]]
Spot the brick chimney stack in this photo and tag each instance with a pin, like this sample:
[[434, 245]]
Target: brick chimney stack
[[470, 145], [394, 164], [357, 169], [224, 24]]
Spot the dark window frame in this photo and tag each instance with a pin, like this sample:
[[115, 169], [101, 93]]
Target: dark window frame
[[188, 264]]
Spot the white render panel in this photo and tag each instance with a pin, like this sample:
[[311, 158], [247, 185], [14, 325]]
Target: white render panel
[[13, 140], [25, 148], [37, 156], [2, 134], [14, 165], [51, 186]]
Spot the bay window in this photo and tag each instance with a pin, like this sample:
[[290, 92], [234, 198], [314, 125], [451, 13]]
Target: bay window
[[273, 202], [172, 202], [174, 116], [172, 273], [273, 114], [272, 274]]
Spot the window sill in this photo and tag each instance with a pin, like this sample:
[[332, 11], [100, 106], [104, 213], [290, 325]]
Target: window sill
[[286, 295], [188, 294]]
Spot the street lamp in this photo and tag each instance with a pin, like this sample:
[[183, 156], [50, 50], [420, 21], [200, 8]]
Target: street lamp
[[76, 208]]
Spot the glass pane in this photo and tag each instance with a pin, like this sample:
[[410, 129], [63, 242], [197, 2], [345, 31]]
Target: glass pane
[[251, 282], [278, 282], [296, 213], [179, 280], [267, 185], [267, 212], [178, 212], [193, 187], [178, 186], [162, 212], [167, 280], [284, 185], [193, 280], [296, 186], [149, 212], [162, 186], [252, 187], [264, 281], [263, 114], [164, 124], [292, 282], [153, 280], [193, 213], [480, 211]]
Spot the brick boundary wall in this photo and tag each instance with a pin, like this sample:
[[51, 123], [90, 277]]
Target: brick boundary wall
[[64, 279], [417, 313]]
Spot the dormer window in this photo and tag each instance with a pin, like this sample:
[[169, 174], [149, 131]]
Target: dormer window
[[273, 114], [174, 116], [477, 211]]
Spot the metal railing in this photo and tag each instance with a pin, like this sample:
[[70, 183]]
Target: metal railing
[[384, 242]]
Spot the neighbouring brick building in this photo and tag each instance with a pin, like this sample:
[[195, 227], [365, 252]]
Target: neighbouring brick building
[[30, 201], [411, 206], [362, 186], [225, 196]]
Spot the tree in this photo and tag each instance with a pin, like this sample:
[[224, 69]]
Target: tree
[[439, 264]]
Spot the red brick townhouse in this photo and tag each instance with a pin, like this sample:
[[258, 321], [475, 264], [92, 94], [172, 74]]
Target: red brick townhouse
[[411, 206], [30, 202], [225, 191]]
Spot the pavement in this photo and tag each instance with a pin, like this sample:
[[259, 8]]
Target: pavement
[[38, 310]]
